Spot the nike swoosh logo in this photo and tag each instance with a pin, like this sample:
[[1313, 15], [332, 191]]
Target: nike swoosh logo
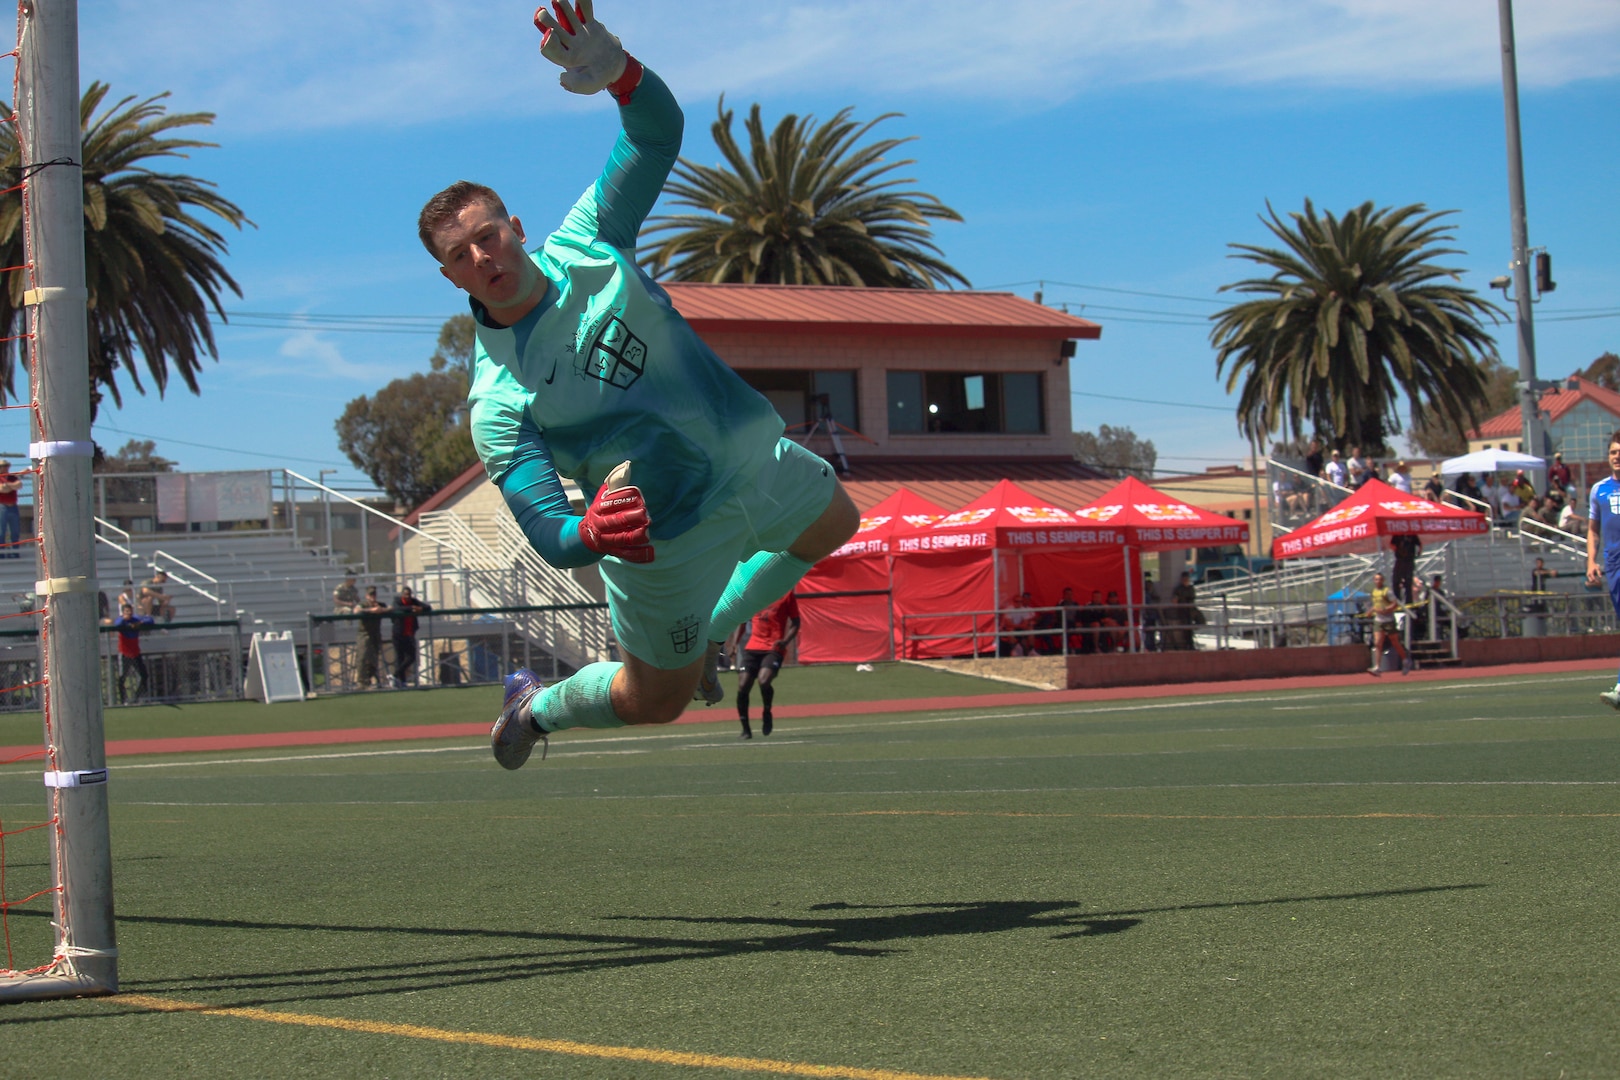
[[553, 374]]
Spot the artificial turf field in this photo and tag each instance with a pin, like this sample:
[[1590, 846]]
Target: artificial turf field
[[1407, 879]]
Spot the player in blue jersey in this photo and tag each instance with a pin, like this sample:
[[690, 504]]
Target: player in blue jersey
[[700, 512], [1603, 536]]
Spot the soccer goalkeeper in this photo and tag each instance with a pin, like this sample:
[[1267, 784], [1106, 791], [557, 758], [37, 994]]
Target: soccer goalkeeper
[[583, 368]]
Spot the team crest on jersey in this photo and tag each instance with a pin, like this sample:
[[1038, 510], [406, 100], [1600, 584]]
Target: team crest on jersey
[[615, 355], [684, 634]]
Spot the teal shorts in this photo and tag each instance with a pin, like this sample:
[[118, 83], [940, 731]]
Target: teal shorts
[[661, 609]]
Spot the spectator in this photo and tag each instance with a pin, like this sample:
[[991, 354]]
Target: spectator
[[1406, 548], [1570, 519], [129, 626], [1356, 468], [407, 612], [1017, 619], [346, 597], [1401, 478], [1469, 489], [1114, 616], [1491, 494], [1509, 504], [128, 595], [1069, 613], [1557, 473], [1183, 614], [1313, 457], [369, 637], [10, 516], [1523, 488], [1091, 620], [1150, 606], [1435, 489], [154, 601], [1539, 575], [1336, 472]]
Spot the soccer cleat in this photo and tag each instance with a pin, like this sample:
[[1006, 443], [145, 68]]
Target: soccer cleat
[[765, 725], [708, 688], [1408, 666], [1375, 670], [1611, 698], [515, 732]]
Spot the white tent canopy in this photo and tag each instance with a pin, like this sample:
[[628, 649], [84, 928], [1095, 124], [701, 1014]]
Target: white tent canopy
[[1489, 461]]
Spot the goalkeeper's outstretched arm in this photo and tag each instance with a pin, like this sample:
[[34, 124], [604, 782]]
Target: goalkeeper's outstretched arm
[[592, 60]]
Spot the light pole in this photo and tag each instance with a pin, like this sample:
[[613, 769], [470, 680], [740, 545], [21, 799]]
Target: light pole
[[1529, 391]]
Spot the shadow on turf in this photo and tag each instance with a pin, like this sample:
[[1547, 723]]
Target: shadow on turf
[[852, 930]]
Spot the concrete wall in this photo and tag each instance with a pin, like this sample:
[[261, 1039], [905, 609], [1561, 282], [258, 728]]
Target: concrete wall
[[1161, 669]]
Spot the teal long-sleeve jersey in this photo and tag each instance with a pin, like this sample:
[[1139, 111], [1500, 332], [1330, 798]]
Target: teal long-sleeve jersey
[[606, 370]]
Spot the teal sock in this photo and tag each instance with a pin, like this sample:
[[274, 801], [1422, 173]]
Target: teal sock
[[754, 585], [581, 700]]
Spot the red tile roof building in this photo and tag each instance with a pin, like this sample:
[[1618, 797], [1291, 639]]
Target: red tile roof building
[[1580, 417]]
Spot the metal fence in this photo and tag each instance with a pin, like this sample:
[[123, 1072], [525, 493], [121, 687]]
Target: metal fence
[[453, 646], [182, 661]]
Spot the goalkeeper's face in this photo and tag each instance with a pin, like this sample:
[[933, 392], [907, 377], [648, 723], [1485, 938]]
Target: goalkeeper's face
[[481, 252]]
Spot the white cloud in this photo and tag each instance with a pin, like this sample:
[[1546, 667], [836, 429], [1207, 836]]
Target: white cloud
[[314, 356], [297, 64]]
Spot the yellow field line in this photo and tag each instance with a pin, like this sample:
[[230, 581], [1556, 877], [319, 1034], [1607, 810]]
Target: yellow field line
[[518, 1042]]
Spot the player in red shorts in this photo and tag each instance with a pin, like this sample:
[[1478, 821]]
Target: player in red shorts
[[774, 629]]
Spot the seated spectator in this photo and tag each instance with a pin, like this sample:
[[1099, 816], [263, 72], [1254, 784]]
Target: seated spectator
[[1523, 488], [1469, 489], [1115, 618], [1069, 613], [1016, 617], [1570, 519], [1090, 619], [1045, 644], [1509, 506], [154, 601], [1435, 489]]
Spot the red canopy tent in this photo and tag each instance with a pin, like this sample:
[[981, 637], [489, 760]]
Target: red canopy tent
[[1145, 518], [854, 628], [1004, 543], [1361, 522], [1141, 518]]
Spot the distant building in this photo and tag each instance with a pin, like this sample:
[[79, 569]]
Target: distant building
[[1580, 415]]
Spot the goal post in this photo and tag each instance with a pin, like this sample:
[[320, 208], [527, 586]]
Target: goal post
[[84, 960]]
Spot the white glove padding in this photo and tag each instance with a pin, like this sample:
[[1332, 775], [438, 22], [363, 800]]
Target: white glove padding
[[591, 58]]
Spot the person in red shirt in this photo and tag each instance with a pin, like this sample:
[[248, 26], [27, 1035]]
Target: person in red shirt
[[774, 629], [10, 516], [129, 626]]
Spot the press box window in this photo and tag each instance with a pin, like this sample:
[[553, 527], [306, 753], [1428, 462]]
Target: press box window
[[953, 402], [801, 396]]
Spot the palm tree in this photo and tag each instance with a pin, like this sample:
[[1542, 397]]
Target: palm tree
[[804, 206], [1354, 312], [151, 262]]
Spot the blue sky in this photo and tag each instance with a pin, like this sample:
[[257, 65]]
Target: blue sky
[[1107, 149]]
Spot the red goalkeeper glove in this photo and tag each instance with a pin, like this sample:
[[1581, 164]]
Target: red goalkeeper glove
[[616, 524]]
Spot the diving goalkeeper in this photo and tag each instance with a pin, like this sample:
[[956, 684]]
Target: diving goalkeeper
[[583, 368]]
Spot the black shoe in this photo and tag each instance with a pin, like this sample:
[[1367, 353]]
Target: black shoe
[[746, 734], [765, 725]]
